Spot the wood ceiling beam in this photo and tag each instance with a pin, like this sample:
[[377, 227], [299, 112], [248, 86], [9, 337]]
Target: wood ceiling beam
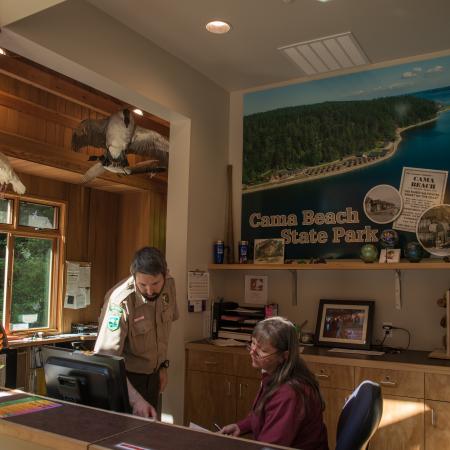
[[43, 78]]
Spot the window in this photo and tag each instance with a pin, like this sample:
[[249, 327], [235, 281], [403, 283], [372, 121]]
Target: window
[[31, 252]]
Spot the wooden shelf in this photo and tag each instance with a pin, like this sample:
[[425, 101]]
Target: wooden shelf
[[337, 265]]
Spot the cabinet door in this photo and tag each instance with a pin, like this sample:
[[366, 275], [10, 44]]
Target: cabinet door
[[334, 402], [210, 398], [437, 430], [247, 388], [401, 426]]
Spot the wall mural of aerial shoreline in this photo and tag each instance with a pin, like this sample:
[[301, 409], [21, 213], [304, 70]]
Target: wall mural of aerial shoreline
[[322, 158]]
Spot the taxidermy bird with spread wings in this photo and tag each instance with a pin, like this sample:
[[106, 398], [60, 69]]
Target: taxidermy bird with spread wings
[[8, 176], [118, 136]]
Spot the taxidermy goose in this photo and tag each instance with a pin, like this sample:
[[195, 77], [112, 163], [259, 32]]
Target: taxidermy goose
[[118, 136], [8, 176]]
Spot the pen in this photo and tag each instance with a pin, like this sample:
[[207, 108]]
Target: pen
[[218, 427]]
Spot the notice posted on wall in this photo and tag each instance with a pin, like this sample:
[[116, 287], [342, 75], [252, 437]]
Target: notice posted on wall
[[198, 290], [78, 285], [420, 190]]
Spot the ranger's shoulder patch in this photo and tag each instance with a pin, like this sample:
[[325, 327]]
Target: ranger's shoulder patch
[[113, 322]]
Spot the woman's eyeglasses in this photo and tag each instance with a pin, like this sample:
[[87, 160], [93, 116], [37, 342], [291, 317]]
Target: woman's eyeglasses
[[252, 348]]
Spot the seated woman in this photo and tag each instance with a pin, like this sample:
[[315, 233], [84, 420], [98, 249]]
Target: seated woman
[[288, 407]]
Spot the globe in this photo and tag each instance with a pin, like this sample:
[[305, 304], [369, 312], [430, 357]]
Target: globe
[[413, 251], [388, 239], [369, 253]]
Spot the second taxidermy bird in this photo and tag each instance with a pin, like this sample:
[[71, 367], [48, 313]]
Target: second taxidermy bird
[[118, 136], [9, 177]]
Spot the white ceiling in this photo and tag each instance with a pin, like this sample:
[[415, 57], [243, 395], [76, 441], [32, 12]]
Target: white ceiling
[[247, 57]]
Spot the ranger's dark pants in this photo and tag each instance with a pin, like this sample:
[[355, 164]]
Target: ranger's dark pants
[[148, 387]]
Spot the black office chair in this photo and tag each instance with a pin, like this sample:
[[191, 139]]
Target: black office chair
[[360, 417]]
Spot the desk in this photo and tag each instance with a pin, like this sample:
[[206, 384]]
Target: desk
[[77, 427], [21, 362]]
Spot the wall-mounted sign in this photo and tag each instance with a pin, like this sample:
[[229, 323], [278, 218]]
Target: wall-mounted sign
[[315, 154]]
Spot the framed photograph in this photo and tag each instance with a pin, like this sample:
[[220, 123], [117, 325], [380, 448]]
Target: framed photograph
[[269, 251], [390, 255], [393, 255], [256, 289], [345, 323]]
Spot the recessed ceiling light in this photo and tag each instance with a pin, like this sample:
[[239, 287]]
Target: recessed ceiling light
[[218, 27], [138, 111], [2, 52]]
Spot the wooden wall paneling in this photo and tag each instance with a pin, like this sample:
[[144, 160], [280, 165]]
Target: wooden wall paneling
[[133, 224], [158, 213], [64, 87], [102, 249], [43, 187], [78, 198]]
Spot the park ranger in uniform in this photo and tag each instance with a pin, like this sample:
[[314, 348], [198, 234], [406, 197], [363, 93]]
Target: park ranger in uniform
[[135, 323]]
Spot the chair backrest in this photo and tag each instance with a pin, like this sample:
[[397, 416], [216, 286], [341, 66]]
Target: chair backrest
[[360, 417]]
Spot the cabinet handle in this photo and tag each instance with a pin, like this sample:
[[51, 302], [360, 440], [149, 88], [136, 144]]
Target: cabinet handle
[[388, 383], [324, 376], [213, 363], [229, 388], [433, 417], [240, 390]]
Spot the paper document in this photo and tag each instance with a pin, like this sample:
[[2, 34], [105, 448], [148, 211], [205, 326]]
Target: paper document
[[194, 426]]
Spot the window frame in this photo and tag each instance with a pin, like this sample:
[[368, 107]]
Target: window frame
[[58, 237]]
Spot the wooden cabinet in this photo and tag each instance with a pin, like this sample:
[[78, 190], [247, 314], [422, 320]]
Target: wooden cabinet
[[401, 425], [205, 391], [220, 387], [437, 429], [334, 402], [247, 388], [437, 411], [336, 384]]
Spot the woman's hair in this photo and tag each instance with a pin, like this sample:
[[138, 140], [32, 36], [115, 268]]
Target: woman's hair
[[149, 260], [281, 334]]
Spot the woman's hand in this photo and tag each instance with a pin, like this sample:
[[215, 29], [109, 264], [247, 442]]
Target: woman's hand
[[231, 430]]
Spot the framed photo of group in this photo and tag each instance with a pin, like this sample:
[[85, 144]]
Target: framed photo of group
[[345, 323]]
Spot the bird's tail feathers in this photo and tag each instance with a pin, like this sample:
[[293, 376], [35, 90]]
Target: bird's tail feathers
[[93, 172], [18, 186]]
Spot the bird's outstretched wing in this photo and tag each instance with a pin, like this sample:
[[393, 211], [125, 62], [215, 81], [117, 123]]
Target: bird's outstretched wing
[[90, 133], [93, 172], [150, 143], [7, 176]]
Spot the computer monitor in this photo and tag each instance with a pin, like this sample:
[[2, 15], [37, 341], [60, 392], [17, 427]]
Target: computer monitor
[[90, 379]]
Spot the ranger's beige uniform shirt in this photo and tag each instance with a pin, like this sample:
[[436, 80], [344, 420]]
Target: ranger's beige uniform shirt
[[135, 328]]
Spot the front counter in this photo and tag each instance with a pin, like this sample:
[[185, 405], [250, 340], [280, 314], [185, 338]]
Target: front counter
[[54, 424]]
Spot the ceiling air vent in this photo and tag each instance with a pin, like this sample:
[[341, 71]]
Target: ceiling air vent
[[326, 54]]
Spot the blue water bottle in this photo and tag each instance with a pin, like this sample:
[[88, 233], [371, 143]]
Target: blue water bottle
[[218, 252]]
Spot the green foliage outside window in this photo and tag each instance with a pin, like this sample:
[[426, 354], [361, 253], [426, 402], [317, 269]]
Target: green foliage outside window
[[31, 281]]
